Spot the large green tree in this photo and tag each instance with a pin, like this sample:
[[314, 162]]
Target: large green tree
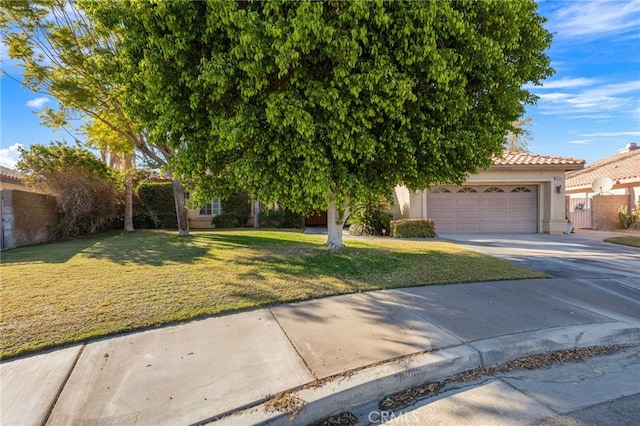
[[64, 54], [318, 104]]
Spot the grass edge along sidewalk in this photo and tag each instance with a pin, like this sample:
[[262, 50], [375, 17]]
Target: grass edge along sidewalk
[[78, 290], [627, 240]]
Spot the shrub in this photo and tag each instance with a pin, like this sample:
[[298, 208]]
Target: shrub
[[628, 220], [142, 218], [271, 218], [228, 220], [413, 228], [240, 205], [85, 189], [282, 218], [160, 203], [370, 218], [292, 220]]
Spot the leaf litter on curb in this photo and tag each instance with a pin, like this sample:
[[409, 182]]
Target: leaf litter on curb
[[345, 418], [288, 402], [538, 361]]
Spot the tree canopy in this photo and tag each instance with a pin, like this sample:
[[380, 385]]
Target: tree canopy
[[316, 104]]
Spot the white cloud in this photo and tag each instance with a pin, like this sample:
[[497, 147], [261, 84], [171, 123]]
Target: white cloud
[[594, 101], [596, 18], [37, 102], [581, 142], [611, 134], [599, 117], [565, 83], [10, 156]]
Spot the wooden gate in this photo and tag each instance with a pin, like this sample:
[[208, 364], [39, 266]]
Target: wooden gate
[[579, 212]]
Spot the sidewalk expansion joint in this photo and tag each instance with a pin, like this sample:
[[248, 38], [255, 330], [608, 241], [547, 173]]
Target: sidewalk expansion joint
[[63, 385], [293, 345]]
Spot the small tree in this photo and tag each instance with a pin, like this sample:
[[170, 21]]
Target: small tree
[[85, 189]]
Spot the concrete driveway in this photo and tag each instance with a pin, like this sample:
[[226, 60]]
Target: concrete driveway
[[579, 255]]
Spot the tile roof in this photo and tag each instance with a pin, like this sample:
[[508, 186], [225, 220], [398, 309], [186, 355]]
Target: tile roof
[[522, 159], [7, 173], [621, 168]]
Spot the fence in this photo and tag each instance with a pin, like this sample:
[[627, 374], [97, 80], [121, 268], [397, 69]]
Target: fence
[[579, 212], [27, 218], [599, 212]]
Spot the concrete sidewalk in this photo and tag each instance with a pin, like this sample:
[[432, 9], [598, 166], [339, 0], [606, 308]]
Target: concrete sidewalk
[[201, 371]]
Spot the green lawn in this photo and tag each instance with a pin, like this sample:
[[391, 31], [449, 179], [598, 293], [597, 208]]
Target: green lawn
[[626, 240], [77, 290]]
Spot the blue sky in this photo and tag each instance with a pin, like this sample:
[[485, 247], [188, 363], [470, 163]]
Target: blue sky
[[589, 109]]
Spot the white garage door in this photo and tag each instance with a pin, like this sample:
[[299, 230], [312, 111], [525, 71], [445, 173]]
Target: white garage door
[[475, 209]]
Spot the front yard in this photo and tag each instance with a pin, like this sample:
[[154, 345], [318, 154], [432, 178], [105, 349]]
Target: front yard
[[629, 240], [78, 290]]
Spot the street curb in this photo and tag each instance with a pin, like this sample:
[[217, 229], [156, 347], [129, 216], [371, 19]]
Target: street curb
[[498, 350], [374, 383]]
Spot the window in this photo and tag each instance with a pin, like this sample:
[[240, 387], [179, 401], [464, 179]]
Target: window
[[216, 206], [441, 191], [520, 189], [466, 190], [213, 208], [494, 189]]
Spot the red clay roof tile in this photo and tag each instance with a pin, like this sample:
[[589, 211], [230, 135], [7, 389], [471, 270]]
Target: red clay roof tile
[[620, 168], [510, 158], [8, 173]]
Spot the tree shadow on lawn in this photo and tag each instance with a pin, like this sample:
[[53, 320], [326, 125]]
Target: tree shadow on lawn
[[160, 248], [55, 252], [315, 272], [155, 248]]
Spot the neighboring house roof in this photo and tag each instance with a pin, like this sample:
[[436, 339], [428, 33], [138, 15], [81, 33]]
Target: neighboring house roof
[[622, 169], [10, 176], [522, 160]]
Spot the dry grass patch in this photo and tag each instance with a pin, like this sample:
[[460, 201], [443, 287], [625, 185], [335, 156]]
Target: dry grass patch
[[78, 290]]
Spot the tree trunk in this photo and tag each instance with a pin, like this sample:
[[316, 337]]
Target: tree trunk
[[335, 223], [128, 193], [181, 211], [256, 214]]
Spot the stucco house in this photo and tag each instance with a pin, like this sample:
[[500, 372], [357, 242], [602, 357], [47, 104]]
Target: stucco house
[[520, 192], [201, 218], [597, 208]]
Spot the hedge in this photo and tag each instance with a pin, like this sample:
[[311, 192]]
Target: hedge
[[227, 220], [280, 219], [413, 228], [158, 199], [239, 204]]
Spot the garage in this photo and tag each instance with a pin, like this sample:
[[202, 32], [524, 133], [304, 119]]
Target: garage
[[484, 208]]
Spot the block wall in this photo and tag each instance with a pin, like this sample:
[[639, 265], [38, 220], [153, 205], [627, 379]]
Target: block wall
[[27, 218], [605, 211]]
